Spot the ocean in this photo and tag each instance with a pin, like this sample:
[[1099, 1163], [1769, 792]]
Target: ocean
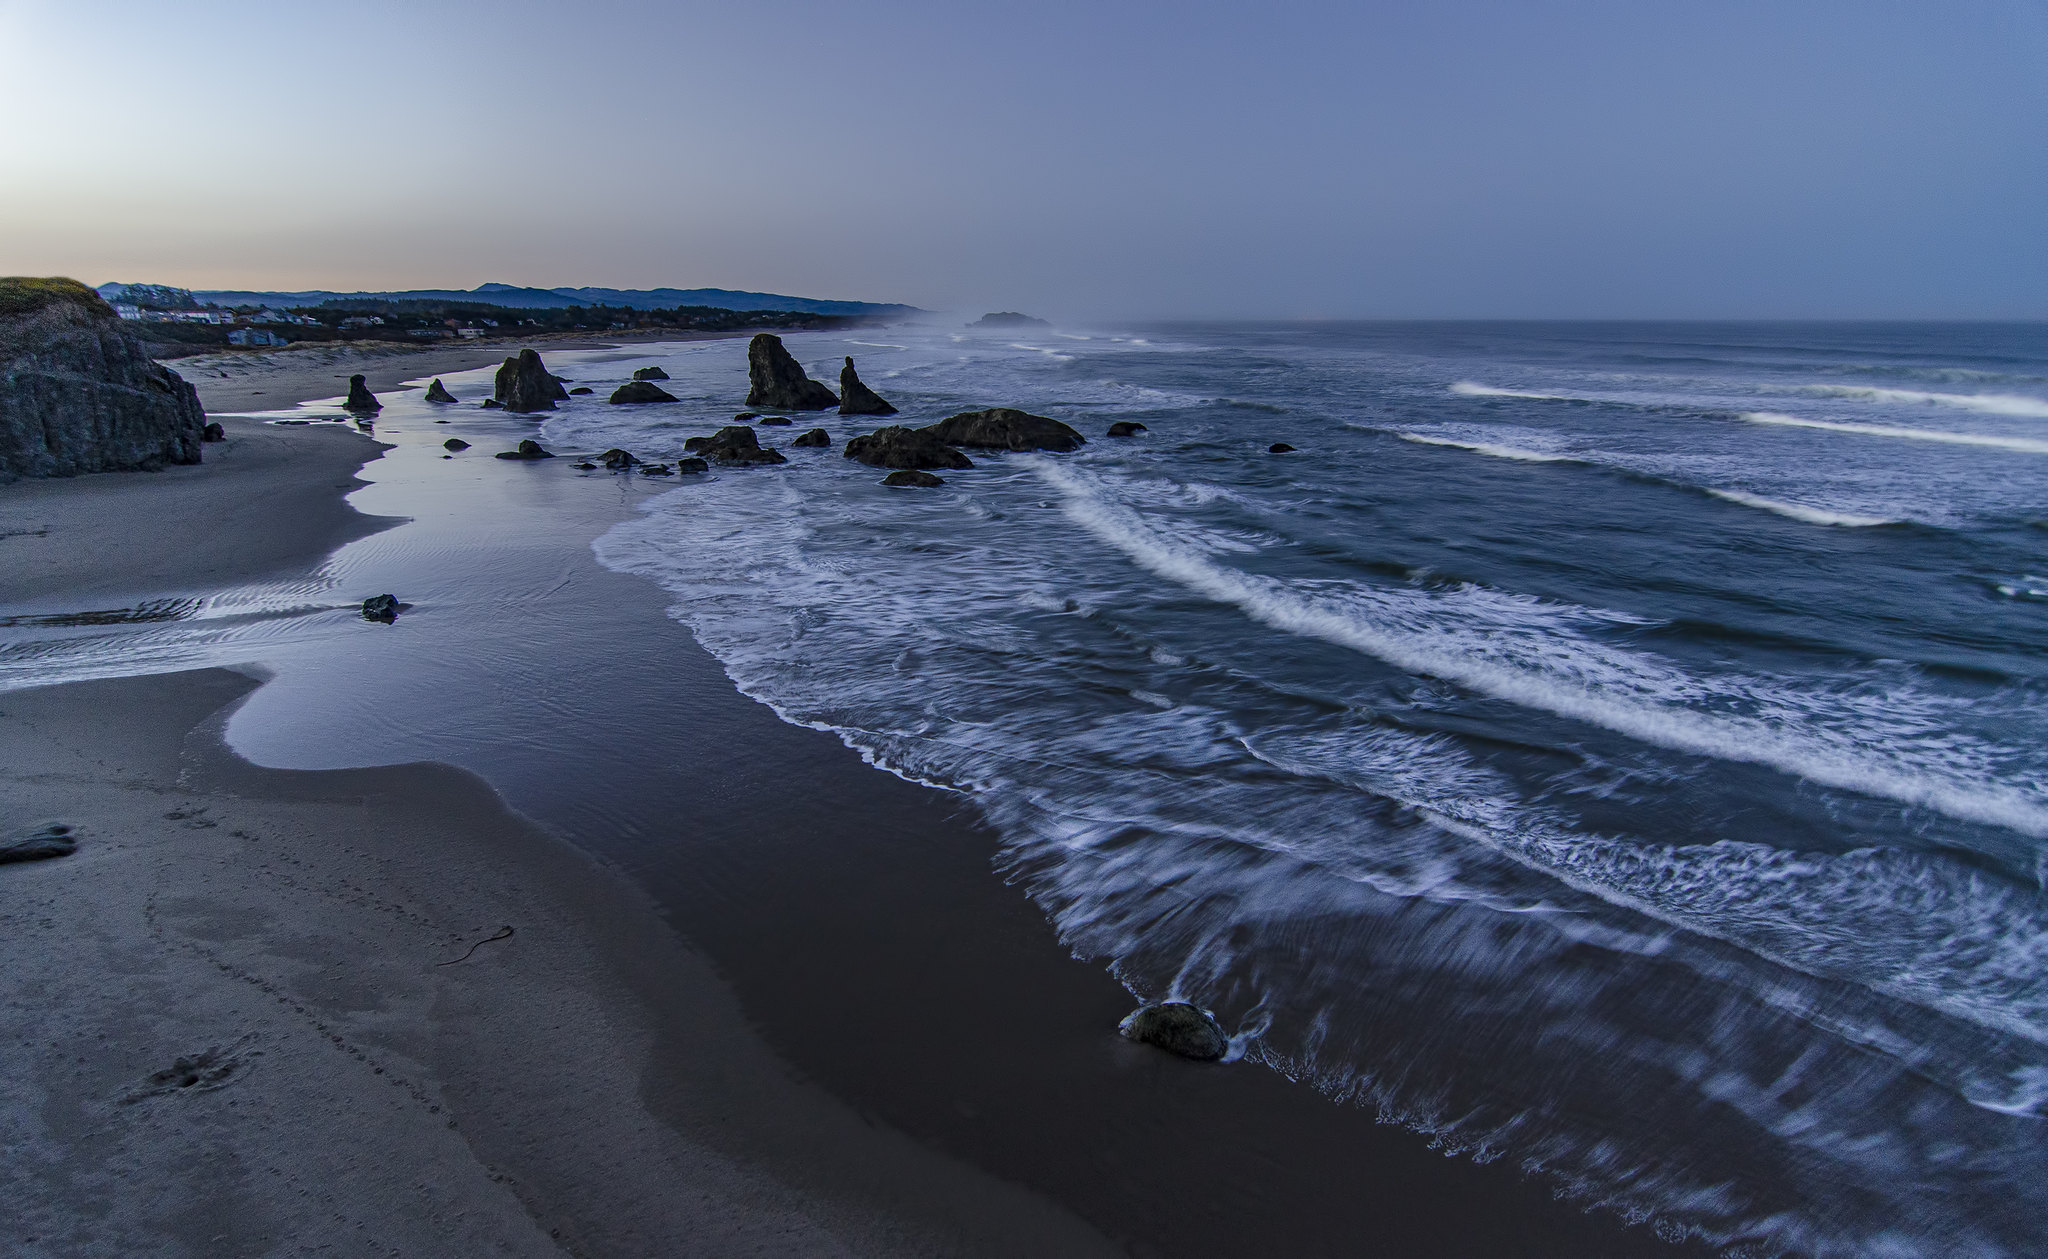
[[1617, 749]]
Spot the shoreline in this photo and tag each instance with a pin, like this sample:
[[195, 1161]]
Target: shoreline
[[828, 896]]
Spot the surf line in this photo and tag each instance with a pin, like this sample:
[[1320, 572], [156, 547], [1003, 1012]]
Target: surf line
[[2024, 445], [1722, 737]]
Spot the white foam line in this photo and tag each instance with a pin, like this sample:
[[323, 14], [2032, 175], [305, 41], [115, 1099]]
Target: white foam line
[[879, 345], [2025, 445], [1498, 452], [1472, 389], [1811, 515], [1992, 403], [1727, 738]]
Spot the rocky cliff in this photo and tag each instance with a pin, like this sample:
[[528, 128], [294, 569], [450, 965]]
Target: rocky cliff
[[78, 392]]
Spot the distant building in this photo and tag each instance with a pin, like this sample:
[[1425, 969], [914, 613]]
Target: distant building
[[255, 336], [469, 333], [128, 310], [362, 321]]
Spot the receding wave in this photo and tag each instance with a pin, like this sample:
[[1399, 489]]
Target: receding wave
[[1990, 403], [1486, 448], [1798, 511], [1611, 690], [1472, 389], [2025, 445]]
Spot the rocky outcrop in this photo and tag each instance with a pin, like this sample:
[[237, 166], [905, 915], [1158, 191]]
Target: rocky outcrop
[[856, 398], [1179, 1028], [638, 391], [900, 447], [1004, 428], [777, 381], [524, 384], [617, 460], [438, 392], [359, 397], [78, 392], [650, 373], [912, 476], [1126, 428], [816, 437], [455, 443], [692, 465], [1008, 319], [528, 449], [734, 446], [383, 608], [656, 469]]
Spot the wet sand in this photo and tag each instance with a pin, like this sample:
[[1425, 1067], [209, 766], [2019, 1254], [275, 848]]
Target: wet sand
[[858, 920]]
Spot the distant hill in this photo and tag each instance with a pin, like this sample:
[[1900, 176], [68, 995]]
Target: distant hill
[[530, 298]]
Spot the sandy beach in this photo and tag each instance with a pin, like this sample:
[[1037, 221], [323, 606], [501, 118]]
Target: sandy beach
[[757, 997]]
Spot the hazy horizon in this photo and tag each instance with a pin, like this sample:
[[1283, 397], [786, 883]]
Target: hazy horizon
[[1595, 160]]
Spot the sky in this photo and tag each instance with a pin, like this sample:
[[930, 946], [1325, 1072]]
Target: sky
[[1463, 159]]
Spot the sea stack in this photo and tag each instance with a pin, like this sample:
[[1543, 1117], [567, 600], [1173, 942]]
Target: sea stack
[[524, 384], [776, 381], [856, 398], [438, 392], [78, 392], [360, 398]]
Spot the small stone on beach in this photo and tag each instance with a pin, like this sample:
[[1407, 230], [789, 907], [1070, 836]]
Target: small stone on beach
[[383, 608], [1177, 1027], [40, 844], [528, 449], [455, 443]]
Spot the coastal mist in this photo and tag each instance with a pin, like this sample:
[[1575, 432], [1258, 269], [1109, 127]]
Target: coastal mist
[[1615, 749]]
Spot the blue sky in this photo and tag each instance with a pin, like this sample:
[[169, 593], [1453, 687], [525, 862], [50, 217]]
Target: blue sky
[[1872, 159]]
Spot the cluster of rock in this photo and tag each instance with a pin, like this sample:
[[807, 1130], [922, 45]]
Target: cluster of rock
[[78, 392], [734, 446]]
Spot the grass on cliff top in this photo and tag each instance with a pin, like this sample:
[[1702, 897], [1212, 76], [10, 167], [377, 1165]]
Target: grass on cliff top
[[26, 294]]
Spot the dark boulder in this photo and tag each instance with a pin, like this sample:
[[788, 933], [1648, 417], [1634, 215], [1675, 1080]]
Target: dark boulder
[[816, 437], [40, 844], [528, 449], [1126, 428], [692, 465], [1280, 448], [735, 446], [213, 432], [360, 398], [777, 421], [438, 392], [656, 469], [455, 443], [580, 390], [615, 459], [523, 384], [492, 404], [637, 391], [1177, 1027], [745, 416], [912, 476], [694, 444], [775, 379], [856, 398], [585, 466], [900, 447], [650, 373], [78, 392], [1005, 428], [383, 608]]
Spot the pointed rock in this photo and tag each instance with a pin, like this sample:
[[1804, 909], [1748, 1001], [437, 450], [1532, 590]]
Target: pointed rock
[[524, 384], [360, 398], [776, 380], [438, 392], [856, 398]]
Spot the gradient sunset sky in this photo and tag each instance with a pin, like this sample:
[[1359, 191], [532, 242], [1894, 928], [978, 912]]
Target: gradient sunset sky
[[1866, 159]]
